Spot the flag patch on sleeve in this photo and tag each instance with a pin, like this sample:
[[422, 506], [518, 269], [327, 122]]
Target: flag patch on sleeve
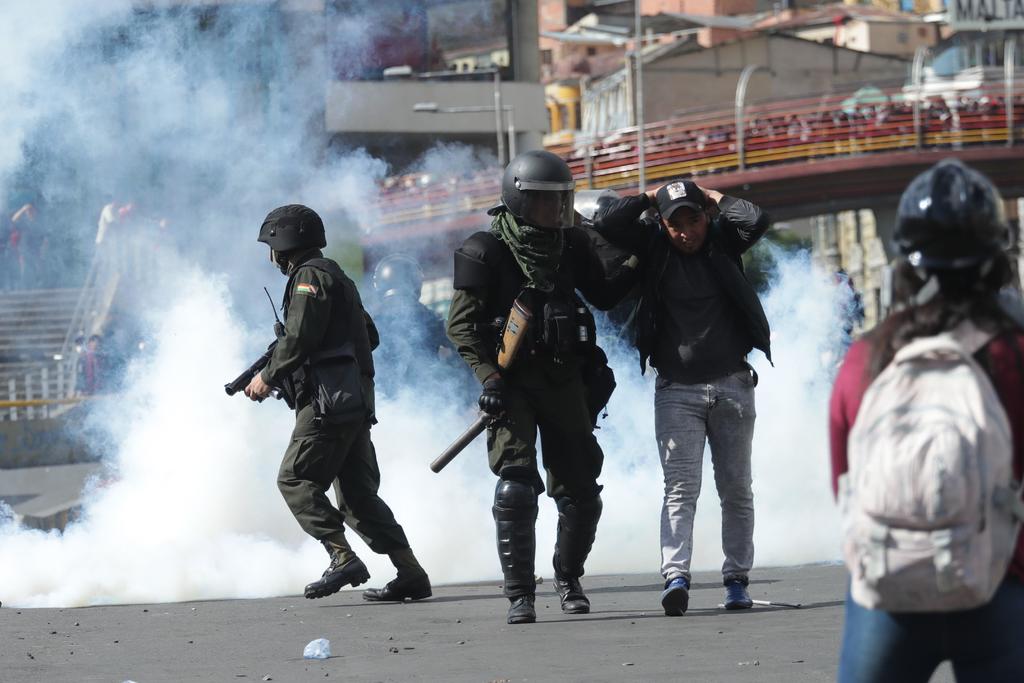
[[304, 288]]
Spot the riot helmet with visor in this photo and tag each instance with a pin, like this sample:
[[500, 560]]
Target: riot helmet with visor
[[398, 274], [537, 189]]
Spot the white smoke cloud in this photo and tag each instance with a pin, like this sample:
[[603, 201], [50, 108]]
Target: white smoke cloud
[[193, 511], [190, 509]]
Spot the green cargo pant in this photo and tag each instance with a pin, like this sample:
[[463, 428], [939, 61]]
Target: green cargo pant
[[342, 455], [557, 408]]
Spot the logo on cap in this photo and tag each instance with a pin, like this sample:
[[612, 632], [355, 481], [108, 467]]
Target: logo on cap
[[676, 191]]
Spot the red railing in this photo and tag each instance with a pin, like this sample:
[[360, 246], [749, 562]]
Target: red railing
[[866, 121]]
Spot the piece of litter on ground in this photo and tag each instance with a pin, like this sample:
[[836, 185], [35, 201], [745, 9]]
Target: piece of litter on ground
[[317, 649], [627, 664]]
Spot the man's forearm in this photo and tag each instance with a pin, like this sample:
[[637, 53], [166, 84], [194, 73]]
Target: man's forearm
[[473, 350], [466, 320], [746, 220], [286, 359]]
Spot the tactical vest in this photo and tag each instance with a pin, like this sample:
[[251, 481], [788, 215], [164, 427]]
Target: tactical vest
[[349, 322], [563, 323]]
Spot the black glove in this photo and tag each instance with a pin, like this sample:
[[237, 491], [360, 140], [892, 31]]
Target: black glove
[[492, 399]]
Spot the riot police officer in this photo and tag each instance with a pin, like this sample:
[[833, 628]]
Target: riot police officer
[[532, 256], [412, 336], [323, 360]]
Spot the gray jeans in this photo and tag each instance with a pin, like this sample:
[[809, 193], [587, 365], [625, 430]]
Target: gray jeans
[[685, 415]]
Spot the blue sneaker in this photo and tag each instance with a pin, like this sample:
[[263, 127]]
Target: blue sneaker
[[736, 596], [676, 596]]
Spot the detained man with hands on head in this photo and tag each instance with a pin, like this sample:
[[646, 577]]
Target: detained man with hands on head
[[697, 320]]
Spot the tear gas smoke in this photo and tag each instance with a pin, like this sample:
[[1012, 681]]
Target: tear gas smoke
[[191, 511], [188, 507]]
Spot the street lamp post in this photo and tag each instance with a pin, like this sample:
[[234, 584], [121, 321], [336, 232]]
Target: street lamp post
[[435, 108], [497, 119], [638, 64]]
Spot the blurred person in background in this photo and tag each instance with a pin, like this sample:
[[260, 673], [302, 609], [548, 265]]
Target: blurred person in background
[[92, 367], [412, 338], [21, 242]]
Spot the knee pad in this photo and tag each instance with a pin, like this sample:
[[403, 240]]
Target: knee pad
[[514, 499], [580, 509]]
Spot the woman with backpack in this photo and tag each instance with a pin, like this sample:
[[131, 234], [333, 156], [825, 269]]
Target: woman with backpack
[[927, 442]]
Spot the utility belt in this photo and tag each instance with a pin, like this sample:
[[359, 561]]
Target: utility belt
[[560, 327], [332, 382]]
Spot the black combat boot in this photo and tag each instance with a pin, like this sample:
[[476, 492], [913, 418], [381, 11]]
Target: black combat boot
[[522, 611], [515, 519], [408, 587], [344, 570], [577, 528], [412, 582]]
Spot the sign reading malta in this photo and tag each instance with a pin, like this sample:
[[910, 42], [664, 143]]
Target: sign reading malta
[[986, 14]]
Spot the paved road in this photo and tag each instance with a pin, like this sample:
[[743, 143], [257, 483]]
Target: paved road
[[458, 635]]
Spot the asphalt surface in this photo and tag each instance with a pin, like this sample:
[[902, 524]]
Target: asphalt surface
[[458, 635]]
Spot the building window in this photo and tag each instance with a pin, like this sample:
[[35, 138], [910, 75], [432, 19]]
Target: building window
[[364, 39], [591, 51], [545, 57], [902, 38]]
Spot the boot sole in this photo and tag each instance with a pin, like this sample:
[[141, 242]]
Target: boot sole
[[675, 602], [331, 589], [581, 609], [523, 620], [379, 598]]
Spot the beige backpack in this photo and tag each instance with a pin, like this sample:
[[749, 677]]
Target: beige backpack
[[930, 508]]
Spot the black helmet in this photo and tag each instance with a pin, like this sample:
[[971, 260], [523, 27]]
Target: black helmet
[[537, 188], [292, 227], [950, 217], [398, 274]]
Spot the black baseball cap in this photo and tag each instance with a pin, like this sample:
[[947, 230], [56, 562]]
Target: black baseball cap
[[678, 194]]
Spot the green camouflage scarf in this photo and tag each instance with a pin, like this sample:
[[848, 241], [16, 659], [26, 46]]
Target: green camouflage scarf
[[536, 250]]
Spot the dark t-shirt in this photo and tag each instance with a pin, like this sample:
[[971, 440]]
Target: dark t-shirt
[[701, 335]]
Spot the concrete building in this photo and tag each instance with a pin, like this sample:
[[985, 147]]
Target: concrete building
[[684, 76], [364, 64], [865, 28]]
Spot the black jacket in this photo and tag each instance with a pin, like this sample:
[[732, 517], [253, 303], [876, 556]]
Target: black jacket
[[739, 225]]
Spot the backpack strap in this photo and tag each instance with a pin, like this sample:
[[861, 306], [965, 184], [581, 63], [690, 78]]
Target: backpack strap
[[1017, 504]]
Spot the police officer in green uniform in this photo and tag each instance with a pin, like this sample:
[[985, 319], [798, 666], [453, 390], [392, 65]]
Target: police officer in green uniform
[[325, 322], [533, 255]]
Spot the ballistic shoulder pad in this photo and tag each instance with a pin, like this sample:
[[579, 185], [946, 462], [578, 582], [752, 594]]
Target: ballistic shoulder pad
[[476, 261]]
